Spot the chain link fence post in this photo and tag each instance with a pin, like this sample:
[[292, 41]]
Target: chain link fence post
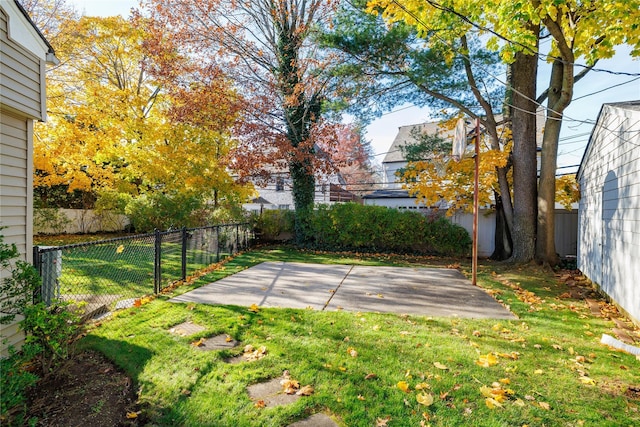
[[157, 261], [185, 236]]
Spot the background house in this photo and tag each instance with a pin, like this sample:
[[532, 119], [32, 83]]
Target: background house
[[276, 193], [393, 196], [609, 209], [23, 55]]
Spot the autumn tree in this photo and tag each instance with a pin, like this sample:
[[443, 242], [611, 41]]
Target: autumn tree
[[267, 48], [118, 125]]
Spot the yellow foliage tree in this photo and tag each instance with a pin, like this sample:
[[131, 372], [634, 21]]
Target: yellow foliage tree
[[117, 122]]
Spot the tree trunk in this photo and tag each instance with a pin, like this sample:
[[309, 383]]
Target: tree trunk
[[523, 82], [545, 244], [502, 237]]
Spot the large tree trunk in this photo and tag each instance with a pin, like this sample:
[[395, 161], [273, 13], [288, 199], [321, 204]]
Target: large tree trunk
[[560, 94], [502, 238], [545, 244], [523, 82]]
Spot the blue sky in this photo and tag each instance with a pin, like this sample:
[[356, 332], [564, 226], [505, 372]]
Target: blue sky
[[575, 133]]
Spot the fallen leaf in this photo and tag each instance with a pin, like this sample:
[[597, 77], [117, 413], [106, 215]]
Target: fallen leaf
[[198, 343], [425, 399], [382, 422], [544, 405], [404, 386], [120, 249], [370, 376], [305, 391], [186, 392], [492, 403], [254, 308], [132, 415], [519, 402], [352, 352], [360, 397], [260, 404], [290, 386], [440, 366], [487, 360], [538, 372], [587, 381], [422, 386], [228, 339]]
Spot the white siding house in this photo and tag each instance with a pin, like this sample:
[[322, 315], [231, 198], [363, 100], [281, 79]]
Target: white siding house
[[23, 55], [609, 210]]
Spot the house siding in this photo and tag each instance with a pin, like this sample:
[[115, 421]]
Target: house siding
[[15, 200], [21, 76], [23, 53], [609, 211]]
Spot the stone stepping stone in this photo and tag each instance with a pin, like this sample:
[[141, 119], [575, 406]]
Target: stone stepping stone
[[316, 420], [270, 393], [219, 342], [187, 329]]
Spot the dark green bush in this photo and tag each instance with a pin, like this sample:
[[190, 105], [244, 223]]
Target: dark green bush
[[357, 227], [273, 225], [163, 211]]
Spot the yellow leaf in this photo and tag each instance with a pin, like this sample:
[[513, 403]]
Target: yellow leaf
[[486, 391], [132, 415], [360, 397], [120, 249], [198, 343], [505, 381], [487, 360], [492, 403], [538, 372], [587, 380], [440, 366], [254, 308], [425, 399], [544, 405], [404, 386], [422, 386]]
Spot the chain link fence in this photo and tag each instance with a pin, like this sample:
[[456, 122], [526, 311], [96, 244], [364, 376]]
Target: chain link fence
[[107, 275]]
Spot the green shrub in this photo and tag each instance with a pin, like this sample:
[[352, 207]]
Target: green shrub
[[50, 331], [49, 220], [273, 225], [351, 226], [162, 211]]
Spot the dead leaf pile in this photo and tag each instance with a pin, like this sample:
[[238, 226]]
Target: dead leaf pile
[[291, 386], [251, 353]]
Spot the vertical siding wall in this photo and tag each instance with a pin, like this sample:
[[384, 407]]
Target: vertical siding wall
[[20, 76], [21, 101], [609, 221]]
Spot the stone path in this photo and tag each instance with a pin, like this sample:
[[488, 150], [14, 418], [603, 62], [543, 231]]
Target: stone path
[[267, 394]]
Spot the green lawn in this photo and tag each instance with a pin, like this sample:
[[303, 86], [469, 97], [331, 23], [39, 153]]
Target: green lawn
[[545, 369]]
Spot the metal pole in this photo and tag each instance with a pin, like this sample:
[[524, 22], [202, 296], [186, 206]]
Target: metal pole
[[184, 253], [474, 262], [157, 262]]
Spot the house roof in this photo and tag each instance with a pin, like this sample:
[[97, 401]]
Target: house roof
[[389, 194], [631, 106], [406, 136], [35, 27]]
